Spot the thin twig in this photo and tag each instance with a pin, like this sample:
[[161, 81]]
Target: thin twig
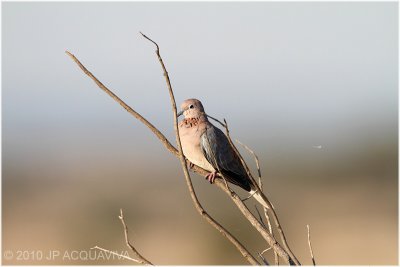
[[265, 250], [250, 196], [261, 188], [268, 221], [246, 254], [276, 258], [274, 215], [309, 244], [261, 219], [272, 233], [239, 155], [141, 259], [160, 136], [117, 254], [263, 259], [256, 160], [223, 125], [257, 225]]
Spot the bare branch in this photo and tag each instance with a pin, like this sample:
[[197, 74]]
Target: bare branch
[[256, 224], [268, 221], [141, 259], [261, 188], [262, 258], [269, 228], [261, 219], [160, 136], [223, 125], [250, 196], [256, 160], [239, 155], [309, 244], [272, 233], [117, 254], [275, 217], [246, 254], [265, 250], [291, 259], [157, 51]]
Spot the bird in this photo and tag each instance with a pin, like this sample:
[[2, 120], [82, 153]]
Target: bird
[[206, 146]]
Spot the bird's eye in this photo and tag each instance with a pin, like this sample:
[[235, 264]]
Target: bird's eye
[[191, 106]]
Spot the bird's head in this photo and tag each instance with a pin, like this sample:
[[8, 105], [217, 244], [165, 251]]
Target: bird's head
[[191, 108]]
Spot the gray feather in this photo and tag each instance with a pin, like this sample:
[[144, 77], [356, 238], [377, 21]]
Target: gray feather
[[219, 153]]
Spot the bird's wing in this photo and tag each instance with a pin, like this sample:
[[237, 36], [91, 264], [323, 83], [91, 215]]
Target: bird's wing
[[219, 153]]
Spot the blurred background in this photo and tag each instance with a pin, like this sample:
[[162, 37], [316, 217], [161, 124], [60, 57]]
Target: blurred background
[[311, 87]]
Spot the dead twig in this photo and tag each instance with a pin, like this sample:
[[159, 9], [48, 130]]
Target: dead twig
[[265, 250], [141, 259], [131, 111], [261, 219], [260, 254], [223, 125], [272, 233], [260, 184], [261, 188], [263, 259], [292, 258], [269, 228], [250, 196], [271, 207], [116, 254], [309, 244], [256, 160], [256, 224], [239, 155]]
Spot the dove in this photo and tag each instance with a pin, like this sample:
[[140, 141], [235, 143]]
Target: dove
[[208, 147]]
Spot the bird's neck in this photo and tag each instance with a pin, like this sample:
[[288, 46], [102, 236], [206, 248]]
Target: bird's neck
[[194, 121]]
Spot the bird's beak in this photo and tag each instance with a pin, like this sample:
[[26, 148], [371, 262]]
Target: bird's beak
[[180, 114]]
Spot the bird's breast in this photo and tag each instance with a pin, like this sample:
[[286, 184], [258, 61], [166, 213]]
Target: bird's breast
[[190, 140]]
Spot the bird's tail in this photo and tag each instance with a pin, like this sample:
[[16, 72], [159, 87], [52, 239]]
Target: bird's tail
[[259, 196]]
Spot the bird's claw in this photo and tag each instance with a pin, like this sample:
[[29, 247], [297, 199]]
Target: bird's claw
[[211, 177]]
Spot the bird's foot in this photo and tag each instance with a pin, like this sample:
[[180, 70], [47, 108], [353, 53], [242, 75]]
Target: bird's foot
[[191, 165], [211, 177]]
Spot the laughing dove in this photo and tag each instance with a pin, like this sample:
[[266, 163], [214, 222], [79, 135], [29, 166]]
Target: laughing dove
[[207, 146]]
